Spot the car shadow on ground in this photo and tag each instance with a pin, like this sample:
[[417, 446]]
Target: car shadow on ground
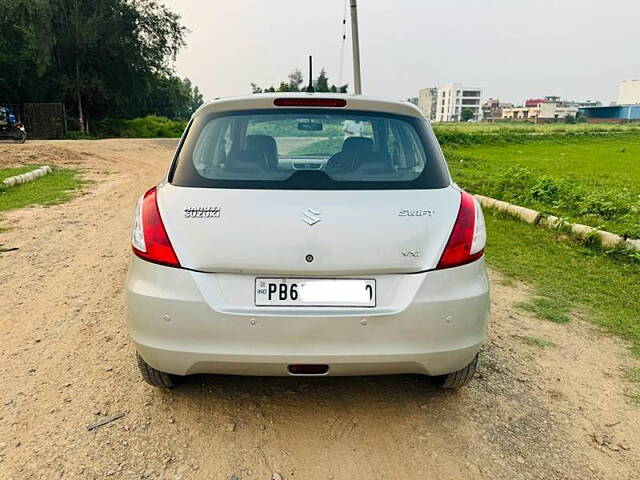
[[395, 389]]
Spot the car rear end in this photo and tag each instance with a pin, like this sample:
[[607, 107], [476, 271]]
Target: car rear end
[[283, 244]]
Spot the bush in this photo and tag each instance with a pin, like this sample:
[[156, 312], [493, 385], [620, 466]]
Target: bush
[[603, 205], [546, 190], [521, 186], [150, 126], [76, 135]]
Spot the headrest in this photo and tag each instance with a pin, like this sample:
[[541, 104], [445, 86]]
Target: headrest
[[357, 145], [264, 146]]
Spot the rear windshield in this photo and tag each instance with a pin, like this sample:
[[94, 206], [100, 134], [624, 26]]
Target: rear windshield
[[310, 150]]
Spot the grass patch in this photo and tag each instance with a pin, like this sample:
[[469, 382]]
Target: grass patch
[[634, 397], [593, 180], [327, 146], [57, 187], [632, 376], [534, 341], [547, 309], [566, 275]]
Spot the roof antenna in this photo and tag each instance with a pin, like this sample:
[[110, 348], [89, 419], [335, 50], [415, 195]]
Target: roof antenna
[[310, 88]]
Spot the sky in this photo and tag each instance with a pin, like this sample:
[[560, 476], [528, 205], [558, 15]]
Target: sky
[[513, 49]]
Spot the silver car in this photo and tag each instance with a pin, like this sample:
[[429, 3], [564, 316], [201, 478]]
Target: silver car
[[308, 235]]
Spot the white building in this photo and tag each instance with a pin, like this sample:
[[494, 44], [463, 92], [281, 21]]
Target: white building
[[455, 97], [629, 92], [445, 103]]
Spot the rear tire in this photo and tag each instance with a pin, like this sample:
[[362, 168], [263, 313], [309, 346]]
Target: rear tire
[[461, 377], [153, 377]]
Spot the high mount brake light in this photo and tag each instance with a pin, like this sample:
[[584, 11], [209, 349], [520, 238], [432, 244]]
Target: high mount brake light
[[150, 240], [468, 238], [310, 102]]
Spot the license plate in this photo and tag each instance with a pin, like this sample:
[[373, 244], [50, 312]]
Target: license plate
[[315, 292]]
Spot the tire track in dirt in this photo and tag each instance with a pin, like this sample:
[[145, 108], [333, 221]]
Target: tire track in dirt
[[66, 361]]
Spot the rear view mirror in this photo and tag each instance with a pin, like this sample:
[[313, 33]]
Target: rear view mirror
[[310, 126]]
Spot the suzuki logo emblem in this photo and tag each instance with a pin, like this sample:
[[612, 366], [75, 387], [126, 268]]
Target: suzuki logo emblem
[[311, 216]]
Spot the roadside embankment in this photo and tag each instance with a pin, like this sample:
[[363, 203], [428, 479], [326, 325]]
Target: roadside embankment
[[27, 177], [533, 217]]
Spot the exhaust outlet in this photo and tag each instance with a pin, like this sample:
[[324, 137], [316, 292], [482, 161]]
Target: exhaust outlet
[[298, 369]]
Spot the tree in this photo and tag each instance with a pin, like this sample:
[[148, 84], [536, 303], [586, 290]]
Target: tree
[[100, 57], [104, 46], [581, 117], [295, 83], [466, 114], [25, 48], [171, 97], [195, 98], [322, 83]]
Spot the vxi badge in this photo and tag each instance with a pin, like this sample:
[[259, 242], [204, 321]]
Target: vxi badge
[[408, 212], [202, 212]]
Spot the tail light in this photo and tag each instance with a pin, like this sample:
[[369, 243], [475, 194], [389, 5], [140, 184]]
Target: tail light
[[150, 240], [468, 238]]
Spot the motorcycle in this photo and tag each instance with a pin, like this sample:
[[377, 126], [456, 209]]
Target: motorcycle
[[15, 132]]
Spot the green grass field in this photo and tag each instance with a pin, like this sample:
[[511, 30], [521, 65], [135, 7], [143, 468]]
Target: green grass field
[[568, 277], [57, 187], [525, 127], [583, 175], [594, 180]]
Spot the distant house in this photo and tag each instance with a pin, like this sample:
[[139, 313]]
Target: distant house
[[548, 110], [533, 102], [492, 109], [589, 103]]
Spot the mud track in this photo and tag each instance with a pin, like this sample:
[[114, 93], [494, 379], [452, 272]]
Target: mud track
[[558, 412]]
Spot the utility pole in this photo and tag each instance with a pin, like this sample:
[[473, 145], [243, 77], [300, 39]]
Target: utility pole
[[357, 80]]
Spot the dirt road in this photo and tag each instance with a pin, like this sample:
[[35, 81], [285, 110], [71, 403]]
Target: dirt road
[[534, 412]]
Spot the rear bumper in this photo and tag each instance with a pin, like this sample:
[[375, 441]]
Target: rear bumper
[[184, 323]]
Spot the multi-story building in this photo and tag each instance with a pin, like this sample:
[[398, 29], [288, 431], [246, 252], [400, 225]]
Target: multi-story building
[[427, 98], [492, 109], [629, 92], [453, 98], [445, 103]]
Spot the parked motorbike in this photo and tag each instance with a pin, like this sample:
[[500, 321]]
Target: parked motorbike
[[15, 132]]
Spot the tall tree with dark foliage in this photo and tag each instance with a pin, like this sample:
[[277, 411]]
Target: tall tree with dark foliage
[[100, 57]]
